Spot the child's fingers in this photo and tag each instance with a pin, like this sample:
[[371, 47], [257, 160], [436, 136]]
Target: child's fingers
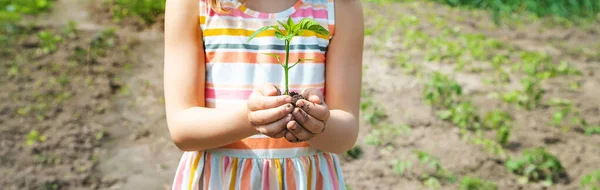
[[314, 95], [299, 132], [268, 89], [319, 111], [289, 136], [308, 122], [260, 102], [273, 129], [263, 117]]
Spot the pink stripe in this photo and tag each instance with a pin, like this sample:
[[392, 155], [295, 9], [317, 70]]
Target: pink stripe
[[226, 160], [179, 175], [236, 94], [309, 12], [331, 170], [300, 13], [265, 171]]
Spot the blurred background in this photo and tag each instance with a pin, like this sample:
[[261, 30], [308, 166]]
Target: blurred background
[[458, 94]]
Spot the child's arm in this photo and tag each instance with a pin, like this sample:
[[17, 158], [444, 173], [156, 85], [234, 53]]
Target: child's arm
[[343, 86], [192, 126]]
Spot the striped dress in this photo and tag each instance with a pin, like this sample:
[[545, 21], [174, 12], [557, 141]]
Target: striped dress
[[233, 68]]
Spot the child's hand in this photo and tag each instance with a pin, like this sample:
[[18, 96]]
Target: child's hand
[[269, 111], [310, 117]]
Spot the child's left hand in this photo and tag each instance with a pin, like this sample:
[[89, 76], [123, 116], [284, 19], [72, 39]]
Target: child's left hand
[[310, 117]]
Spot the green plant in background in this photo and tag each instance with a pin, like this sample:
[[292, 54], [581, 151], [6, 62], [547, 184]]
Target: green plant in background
[[102, 41], [146, 10], [34, 137], [464, 115], [291, 30], [431, 179], [529, 97], [591, 181], [476, 183], [500, 121], [536, 165], [354, 153], [11, 10], [590, 130], [566, 110], [490, 146], [441, 92], [580, 9], [384, 134], [49, 41]]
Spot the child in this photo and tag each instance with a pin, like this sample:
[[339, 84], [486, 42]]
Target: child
[[224, 110]]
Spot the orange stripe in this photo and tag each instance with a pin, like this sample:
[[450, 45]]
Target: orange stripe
[[246, 172], [253, 57], [207, 171], [319, 176], [289, 175], [264, 143]]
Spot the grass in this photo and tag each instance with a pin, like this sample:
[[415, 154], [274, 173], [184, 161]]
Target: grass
[[578, 9], [591, 181], [146, 11], [536, 165]]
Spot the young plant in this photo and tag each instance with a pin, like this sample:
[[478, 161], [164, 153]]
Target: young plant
[[430, 179], [591, 181], [476, 183], [34, 137], [536, 165], [500, 121], [354, 153], [291, 30], [442, 92], [464, 115], [49, 41]]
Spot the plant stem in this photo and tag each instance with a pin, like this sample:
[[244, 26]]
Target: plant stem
[[286, 67]]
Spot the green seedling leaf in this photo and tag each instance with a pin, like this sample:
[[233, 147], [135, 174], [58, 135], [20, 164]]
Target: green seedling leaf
[[280, 35], [311, 25], [260, 30]]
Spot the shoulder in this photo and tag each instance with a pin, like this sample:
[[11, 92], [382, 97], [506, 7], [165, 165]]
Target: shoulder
[[349, 17]]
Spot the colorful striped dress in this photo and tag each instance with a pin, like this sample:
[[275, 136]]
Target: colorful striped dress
[[233, 68]]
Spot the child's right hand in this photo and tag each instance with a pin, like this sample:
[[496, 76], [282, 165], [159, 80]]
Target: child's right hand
[[269, 111]]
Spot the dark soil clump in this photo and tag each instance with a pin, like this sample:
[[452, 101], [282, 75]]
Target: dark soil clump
[[295, 97]]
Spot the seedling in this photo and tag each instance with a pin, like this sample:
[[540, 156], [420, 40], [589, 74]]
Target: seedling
[[49, 41], [430, 179], [291, 30], [536, 165], [500, 121], [34, 137], [476, 183], [441, 92], [591, 181]]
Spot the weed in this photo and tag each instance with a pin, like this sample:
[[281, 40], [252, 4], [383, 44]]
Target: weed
[[354, 153], [536, 165], [49, 41], [500, 121], [431, 180], [146, 10], [587, 9], [529, 97], [592, 130], [34, 137], [101, 42], [464, 115], [476, 183], [591, 181], [441, 92]]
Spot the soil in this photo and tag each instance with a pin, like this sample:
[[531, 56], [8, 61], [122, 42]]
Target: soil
[[295, 97], [103, 124]]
